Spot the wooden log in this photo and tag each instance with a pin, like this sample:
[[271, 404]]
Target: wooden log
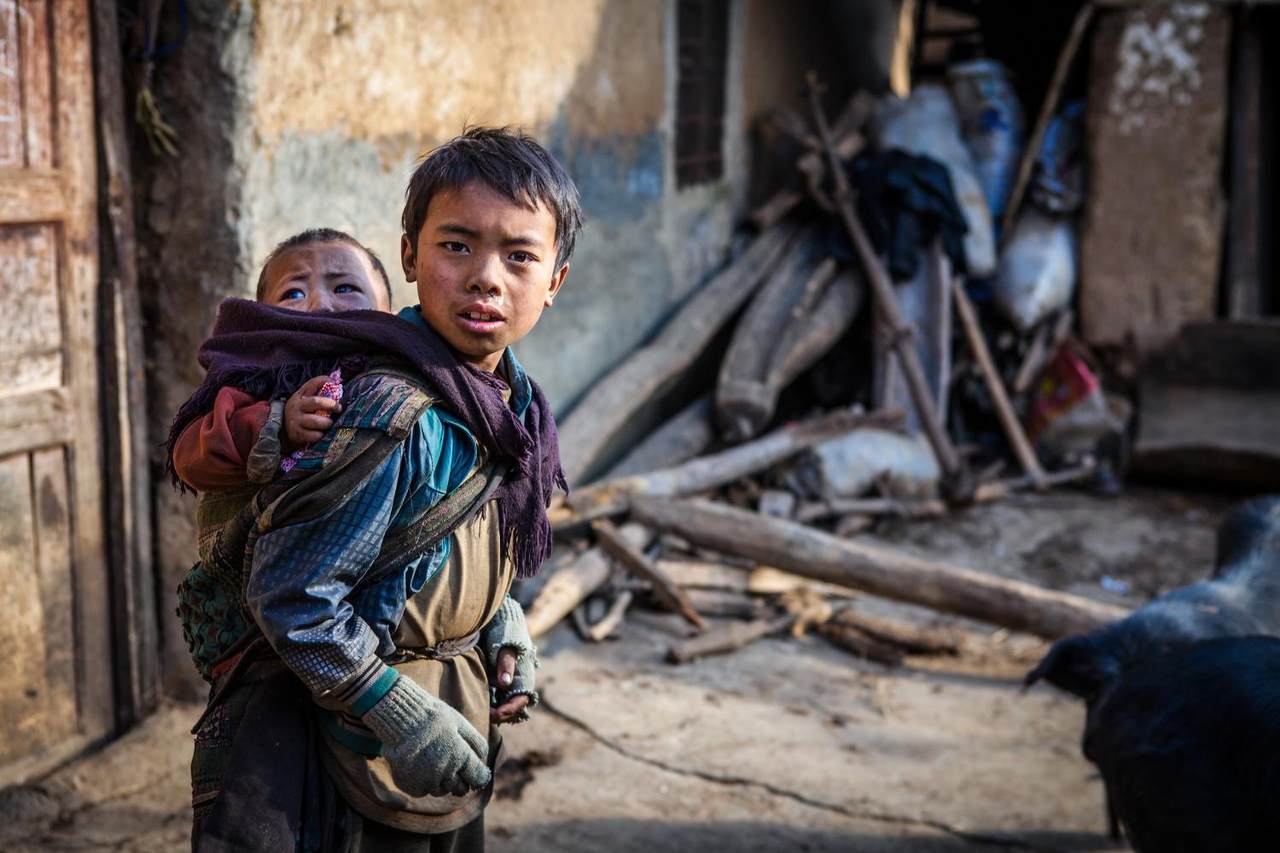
[[775, 343], [806, 338], [925, 304], [723, 604], [881, 571], [911, 639], [726, 638], [741, 398], [631, 386], [886, 302], [570, 584], [678, 440], [710, 472], [851, 639], [995, 386], [631, 559]]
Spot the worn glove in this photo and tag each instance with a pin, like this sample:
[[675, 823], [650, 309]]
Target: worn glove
[[508, 630], [431, 748]]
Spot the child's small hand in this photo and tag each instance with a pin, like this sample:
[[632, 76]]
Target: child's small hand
[[307, 415], [514, 708]]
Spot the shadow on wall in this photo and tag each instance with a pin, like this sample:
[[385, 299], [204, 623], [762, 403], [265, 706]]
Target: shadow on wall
[[898, 836]]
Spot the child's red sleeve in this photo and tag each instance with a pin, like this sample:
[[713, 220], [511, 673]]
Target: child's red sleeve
[[212, 452]]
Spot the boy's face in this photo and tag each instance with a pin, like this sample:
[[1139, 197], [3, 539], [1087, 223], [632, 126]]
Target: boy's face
[[322, 277], [485, 268]]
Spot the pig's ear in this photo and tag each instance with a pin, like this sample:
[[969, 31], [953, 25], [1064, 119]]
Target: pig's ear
[[1078, 665]]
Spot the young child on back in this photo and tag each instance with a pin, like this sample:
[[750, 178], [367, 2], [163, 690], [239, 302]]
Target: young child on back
[[320, 270], [377, 568]]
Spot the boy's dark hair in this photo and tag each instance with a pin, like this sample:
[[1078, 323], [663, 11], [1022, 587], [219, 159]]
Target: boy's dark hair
[[509, 162], [323, 235]]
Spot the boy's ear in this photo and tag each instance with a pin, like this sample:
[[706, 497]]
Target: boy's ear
[[556, 281], [408, 258]]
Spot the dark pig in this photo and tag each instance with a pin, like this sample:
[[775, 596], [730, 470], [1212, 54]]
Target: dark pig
[[1241, 599], [1189, 748]]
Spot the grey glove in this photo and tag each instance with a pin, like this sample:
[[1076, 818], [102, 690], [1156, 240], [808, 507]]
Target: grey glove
[[431, 748], [508, 630]]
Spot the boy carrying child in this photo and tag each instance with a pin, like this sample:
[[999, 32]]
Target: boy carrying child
[[355, 712]]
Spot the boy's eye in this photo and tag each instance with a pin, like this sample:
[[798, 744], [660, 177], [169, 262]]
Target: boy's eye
[[347, 288], [293, 293], [522, 257], [454, 246]]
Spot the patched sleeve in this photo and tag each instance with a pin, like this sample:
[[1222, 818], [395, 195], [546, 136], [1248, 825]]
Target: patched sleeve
[[301, 582]]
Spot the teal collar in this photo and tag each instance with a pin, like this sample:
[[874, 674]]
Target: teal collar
[[510, 370]]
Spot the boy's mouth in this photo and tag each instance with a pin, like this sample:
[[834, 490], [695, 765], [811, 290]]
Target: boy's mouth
[[480, 318]]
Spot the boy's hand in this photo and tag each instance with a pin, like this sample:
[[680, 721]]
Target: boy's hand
[[514, 709], [307, 415], [510, 658], [430, 747]]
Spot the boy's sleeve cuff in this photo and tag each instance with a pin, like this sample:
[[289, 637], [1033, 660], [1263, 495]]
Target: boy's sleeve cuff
[[364, 690]]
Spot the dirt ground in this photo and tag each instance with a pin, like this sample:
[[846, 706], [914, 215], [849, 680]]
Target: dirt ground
[[786, 745]]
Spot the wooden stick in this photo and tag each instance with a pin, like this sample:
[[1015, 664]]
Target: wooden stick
[[609, 623], [1043, 348], [886, 301], [710, 472], [613, 401], [779, 205], [725, 638], [881, 571], [630, 558], [851, 639], [924, 641], [570, 584], [995, 385], [1050, 105]]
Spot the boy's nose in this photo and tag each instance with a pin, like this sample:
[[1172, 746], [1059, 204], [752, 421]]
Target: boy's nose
[[486, 277]]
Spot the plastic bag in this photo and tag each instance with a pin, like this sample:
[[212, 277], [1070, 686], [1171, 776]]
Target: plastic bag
[[926, 124], [848, 466], [1058, 183], [990, 124], [1037, 268]]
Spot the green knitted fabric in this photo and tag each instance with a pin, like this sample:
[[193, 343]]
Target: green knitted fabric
[[211, 617]]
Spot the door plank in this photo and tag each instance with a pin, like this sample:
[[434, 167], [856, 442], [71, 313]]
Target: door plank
[[51, 512], [23, 691]]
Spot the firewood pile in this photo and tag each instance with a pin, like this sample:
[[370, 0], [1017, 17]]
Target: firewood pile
[[744, 523]]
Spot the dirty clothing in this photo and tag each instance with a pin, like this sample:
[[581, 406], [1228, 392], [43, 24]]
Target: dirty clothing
[[456, 603], [337, 613]]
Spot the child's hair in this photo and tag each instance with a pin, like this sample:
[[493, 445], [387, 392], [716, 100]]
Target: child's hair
[[322, 235], [509, 162]]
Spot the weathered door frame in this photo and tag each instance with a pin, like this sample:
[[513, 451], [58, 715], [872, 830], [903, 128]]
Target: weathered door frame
[[126, 473]]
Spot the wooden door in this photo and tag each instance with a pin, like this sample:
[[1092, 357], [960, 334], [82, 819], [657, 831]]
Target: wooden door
[[55, 633]]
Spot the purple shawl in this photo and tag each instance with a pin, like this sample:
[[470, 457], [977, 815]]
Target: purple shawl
[[269, 352]]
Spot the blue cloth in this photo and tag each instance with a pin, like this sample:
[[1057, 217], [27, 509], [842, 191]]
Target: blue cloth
[[310, 590]]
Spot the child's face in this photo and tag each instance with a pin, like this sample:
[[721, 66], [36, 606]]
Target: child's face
[[322, 277], [485, 268]]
